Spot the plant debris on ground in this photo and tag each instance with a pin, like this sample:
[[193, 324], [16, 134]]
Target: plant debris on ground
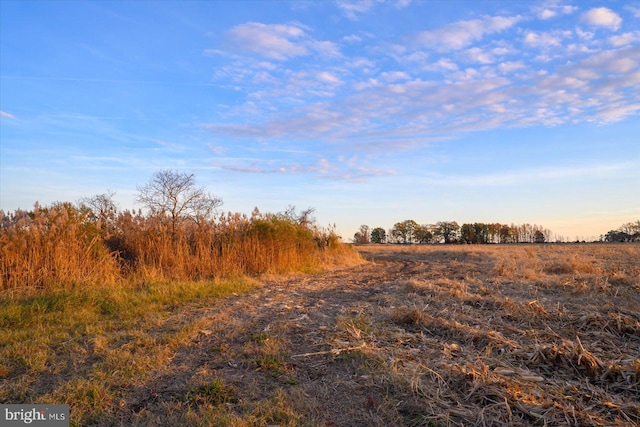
[[530, 335]]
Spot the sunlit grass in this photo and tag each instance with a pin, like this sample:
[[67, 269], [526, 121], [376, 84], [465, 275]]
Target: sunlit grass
[[447, 326], [91, 310], [87, 346]]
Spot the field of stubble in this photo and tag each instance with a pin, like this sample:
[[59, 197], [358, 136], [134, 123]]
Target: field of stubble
[[421, 335], [416, 336]]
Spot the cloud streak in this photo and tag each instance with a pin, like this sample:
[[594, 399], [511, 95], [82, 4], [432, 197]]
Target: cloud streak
[[279, 42], [459, 35], [353, 8], [341, 170]]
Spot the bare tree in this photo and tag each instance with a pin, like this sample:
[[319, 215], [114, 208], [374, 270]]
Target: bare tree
[[174, 195], [304, 218], [363, 236], [103, 210]]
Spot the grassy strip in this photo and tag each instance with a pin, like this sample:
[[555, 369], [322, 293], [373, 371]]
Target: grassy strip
[[89, 346]]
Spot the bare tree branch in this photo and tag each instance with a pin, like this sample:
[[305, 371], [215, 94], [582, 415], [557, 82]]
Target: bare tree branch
[[174, 196]]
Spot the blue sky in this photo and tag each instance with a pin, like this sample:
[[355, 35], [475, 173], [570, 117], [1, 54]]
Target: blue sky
[[372, 112]]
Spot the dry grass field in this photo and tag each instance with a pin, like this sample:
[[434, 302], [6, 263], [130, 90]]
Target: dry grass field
[[539, 335]]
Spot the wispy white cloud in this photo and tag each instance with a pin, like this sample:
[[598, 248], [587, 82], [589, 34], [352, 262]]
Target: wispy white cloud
[[325, 48], [617, 113], [273, 41], [510, 67], [443, 64], [610, 62], [635, 10], [547, 13], [552, 10], [219, 150], [458, 35], [353, 169], [353, 38], [328, 77], [545, 40], [352, 8], [361, 63], [480, 56], [392, 76], [585, 35], [7, 115], [276, 41], [413, 106], [342, 169], [602, 17], [624, 39], [366, 84]]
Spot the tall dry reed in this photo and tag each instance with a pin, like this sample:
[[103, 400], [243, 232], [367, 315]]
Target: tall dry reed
[[53, 247], [64, 245]]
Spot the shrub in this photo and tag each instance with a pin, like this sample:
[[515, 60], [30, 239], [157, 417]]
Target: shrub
[[63, 245]]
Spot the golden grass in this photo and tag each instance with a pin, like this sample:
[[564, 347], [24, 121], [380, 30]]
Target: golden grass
[[83, 346], [419, 335], [514, 335], [62, 247]]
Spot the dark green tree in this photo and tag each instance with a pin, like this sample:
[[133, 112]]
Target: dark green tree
[[467, 233], [448, 231], [378, 235], [423, 234], [404, 231], [539, 237]]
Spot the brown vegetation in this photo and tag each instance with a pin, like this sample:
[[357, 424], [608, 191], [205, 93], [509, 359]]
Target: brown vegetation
[[63, 246], [419, 335]]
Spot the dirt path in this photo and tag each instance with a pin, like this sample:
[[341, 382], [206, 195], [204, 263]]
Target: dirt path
[[406, 339], [297, 325]]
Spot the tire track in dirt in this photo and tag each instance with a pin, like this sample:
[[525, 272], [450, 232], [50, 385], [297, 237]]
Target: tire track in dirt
[[302, 313]]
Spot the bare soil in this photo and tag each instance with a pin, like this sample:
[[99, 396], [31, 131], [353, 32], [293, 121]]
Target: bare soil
[[458, 336]]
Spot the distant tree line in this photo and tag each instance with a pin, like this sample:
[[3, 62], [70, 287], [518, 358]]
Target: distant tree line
[[629, 232], [409, 231]]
